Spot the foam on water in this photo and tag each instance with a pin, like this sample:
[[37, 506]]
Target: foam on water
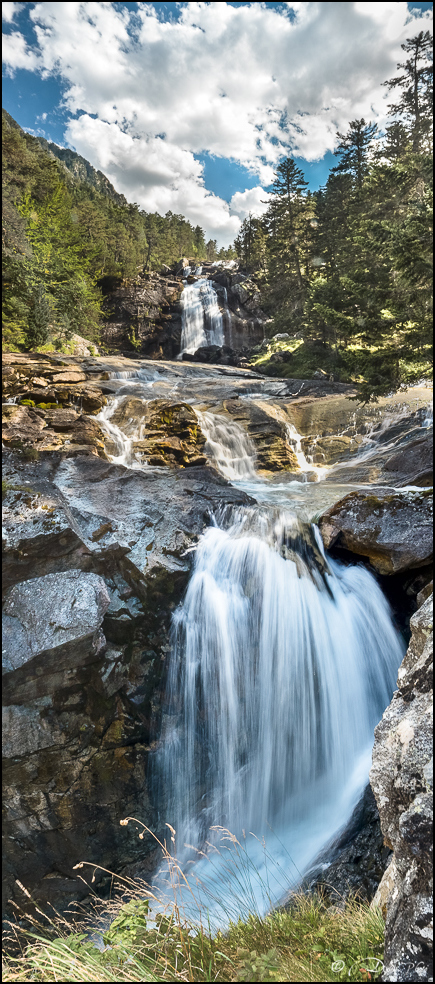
[[228, 446]]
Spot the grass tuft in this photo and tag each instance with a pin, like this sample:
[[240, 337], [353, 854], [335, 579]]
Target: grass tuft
[[139, 937]]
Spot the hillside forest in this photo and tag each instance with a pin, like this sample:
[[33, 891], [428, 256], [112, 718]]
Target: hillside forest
[[345, 272]]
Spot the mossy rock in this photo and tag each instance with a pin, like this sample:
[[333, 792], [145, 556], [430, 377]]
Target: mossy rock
[[27, 403]]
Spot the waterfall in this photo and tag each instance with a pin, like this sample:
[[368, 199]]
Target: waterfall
[[125, 454], [228, 446], [282, 663], [295, 441], [202, 322]]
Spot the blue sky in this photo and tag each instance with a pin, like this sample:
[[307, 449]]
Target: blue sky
[[191, 106]]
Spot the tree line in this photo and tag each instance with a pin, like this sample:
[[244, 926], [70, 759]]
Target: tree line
[[62, 236], [350, 267]]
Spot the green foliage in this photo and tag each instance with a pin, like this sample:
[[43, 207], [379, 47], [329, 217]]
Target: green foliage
[[351, 265], [415, 90], [308, 941], [354, 150], [258, 967], [66, 228]]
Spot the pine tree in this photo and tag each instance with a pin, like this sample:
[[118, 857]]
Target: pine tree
[[39, 320], [415, 89], [287, 221], [251, 244], [211, 249], [354, 150]]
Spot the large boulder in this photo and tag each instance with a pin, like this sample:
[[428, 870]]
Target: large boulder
[[393, 529], [51, 622], [401, 778]]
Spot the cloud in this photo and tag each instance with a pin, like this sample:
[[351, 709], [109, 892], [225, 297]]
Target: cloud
[[253, 200], [17, 54], [245, 83], [9, 10], [155, 173]]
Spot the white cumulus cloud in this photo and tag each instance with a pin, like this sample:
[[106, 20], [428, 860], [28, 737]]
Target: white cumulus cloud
[[9, 10], [144, 95]]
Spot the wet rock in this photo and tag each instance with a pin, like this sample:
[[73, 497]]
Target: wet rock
[[328, 450], [69, 377], [21, 424], [143, 314], [78, 716], [39, 535], [170, 432], [61, 420], [267, 427], [392, 529], [50, 430], [355, 863], [123, 613], [53, 620], [86, 431], [401, 778], [413, 464], [86, 398]]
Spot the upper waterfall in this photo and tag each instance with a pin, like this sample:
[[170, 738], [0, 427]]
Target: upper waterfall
[[202, 321]]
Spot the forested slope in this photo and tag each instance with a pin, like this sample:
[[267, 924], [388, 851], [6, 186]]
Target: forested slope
[[349, 268], [64, 229]]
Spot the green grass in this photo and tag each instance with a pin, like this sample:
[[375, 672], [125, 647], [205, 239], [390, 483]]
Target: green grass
[[307, 940]]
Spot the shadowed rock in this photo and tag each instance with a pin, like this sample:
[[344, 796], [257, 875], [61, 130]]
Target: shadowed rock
[[401, 778]]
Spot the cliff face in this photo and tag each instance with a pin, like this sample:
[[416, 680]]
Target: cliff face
[[248, 319], [401, 778], [143, 314]]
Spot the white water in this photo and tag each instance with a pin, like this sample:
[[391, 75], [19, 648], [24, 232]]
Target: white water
[[306, 466], [124, 443], [282, 665], [202, 322], [228, 446]]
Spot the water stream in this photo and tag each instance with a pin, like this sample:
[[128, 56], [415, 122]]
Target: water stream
[[228, 446], [282, 663]]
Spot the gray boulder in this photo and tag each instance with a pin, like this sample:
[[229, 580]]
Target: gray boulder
[[55, 614], [392, 529]]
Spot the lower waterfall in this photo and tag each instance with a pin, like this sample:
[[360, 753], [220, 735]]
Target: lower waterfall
[[282, 663]]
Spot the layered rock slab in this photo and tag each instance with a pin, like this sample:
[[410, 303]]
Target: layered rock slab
[[393, 529], [402, 780], [86, 666]]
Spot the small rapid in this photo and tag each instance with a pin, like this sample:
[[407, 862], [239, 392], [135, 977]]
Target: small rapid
[[228, 446]]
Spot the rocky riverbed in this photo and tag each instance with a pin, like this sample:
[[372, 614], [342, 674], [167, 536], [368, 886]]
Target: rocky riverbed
[[113, 469]]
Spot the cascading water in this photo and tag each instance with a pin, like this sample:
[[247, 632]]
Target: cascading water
[[228, 446], [282, 664], [202, 322], [123, 444]]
